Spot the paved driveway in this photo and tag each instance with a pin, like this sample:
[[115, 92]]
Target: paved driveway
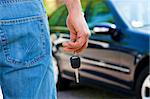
[[82, 92]]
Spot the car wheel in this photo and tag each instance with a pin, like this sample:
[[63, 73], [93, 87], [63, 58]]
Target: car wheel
[[143, 85]]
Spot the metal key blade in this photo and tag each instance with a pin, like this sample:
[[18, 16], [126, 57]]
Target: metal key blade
[[77, 75]]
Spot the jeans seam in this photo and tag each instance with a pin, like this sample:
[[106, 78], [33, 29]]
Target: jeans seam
[[21, 20], [27, 63], [13, 1]]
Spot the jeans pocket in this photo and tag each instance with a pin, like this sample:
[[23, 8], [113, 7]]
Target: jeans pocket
[[23, 40]]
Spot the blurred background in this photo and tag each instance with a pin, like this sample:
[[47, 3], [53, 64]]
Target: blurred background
[[52, 5], [95, 12], [75, 91], [113, 66]]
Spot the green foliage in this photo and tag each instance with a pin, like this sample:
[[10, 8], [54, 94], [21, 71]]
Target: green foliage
[[58, 18], [96, 11]]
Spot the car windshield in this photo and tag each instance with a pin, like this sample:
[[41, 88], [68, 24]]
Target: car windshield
[[136, 12]]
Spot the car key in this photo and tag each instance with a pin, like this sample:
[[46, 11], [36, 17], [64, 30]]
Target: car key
[[75, 63]]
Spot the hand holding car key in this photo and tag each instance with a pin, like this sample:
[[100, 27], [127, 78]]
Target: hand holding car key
[[75, 63]]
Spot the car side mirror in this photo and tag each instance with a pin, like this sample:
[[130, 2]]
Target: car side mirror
[[104, 28]]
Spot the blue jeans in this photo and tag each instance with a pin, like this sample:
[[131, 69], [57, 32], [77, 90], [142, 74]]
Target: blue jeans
[[26, 70]]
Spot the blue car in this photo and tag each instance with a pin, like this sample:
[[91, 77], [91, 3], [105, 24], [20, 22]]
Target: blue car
[[118, 53]]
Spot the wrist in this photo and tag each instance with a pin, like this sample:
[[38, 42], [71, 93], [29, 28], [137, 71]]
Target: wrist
[[75, 10], [77, 14]]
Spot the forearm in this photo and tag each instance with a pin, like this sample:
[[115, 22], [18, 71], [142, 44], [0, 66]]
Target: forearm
[[73, 6]]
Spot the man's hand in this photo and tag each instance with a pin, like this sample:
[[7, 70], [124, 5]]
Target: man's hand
[[79, 31]]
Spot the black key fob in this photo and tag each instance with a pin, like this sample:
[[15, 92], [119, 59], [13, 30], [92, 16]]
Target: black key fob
[[75, 61]]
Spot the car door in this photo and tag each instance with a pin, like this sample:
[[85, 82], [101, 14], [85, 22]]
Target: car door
[[105, 59]]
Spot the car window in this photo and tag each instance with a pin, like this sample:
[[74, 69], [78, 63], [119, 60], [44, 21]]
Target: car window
[[98, 12]]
